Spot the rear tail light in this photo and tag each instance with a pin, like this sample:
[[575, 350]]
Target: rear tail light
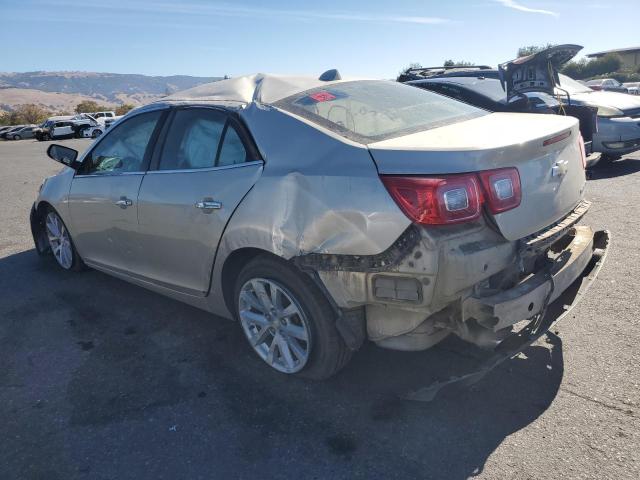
[[502, 189], [436, 201], [583, 152], [454, 198]]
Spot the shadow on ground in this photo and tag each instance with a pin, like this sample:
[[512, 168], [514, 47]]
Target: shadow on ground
[[626, 166], [104, 379]]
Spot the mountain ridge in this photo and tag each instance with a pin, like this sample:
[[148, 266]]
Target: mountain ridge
[[105, 86]]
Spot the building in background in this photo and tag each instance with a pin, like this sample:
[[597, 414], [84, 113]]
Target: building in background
[[630, 57]]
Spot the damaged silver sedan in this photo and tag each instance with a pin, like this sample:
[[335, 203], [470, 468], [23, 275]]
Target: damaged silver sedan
[[324, 212]]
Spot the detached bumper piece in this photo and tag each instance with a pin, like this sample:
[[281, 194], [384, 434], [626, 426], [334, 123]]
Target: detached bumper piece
[[546, 298]]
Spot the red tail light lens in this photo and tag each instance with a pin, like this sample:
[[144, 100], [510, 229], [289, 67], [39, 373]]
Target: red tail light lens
[[436, 201], [455, 198], [583, 152], [502, 189]]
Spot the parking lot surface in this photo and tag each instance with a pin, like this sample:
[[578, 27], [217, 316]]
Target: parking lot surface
[[101, 379]]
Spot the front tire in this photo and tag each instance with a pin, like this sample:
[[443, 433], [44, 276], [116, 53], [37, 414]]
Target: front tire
[[17, 137], [288, 321], [61, 244], [96, 133]]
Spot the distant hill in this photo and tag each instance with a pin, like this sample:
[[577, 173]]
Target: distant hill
[[54, 102], [106, 88]]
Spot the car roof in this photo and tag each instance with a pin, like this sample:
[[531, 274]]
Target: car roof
[[260, 87]]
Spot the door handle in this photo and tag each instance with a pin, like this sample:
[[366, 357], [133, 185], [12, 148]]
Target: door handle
[[124, 202], [208, 204]]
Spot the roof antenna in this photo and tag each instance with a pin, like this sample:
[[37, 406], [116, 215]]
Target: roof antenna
[[330, 75]]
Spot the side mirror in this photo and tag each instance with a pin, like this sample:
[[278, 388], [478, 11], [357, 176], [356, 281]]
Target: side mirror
[[65, 155]]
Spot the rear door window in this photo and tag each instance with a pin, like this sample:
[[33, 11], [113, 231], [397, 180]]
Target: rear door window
[[233, 150], [192, 139]]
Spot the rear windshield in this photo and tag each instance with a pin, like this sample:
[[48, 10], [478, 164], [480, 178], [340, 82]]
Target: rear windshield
[[372, 110]]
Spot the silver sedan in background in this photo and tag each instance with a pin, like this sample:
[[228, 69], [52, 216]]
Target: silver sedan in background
[[21, 133], [322, 212], [618, 118], [633, 87]]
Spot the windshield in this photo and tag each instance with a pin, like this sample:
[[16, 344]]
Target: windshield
[[373, 110], [571, 86]]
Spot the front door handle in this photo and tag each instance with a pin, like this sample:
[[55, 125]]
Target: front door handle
[[124, 202], [208, 205]]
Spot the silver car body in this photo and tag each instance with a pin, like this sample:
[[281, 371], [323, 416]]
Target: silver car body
[[315, 198], [633, 87], [21, 134], [618, 133]]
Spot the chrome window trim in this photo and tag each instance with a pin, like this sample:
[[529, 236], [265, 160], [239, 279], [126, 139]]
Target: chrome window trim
[[207, 169], [114, 174]]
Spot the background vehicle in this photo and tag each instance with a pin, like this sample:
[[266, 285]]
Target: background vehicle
[[607, 85], [21, 133], [618, 117], [633, 87], [110, 121], [321, 212], [5, 129], [65, 127], [485, 92], [503, 90], [102, 116], [617, 132], [43, 131], [93, 131], [9, 132]]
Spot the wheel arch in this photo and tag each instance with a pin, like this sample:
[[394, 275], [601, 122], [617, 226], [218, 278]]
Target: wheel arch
[[233, 265], [38, 214]]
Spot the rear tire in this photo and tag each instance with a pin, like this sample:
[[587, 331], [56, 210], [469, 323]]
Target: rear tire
[[267, 292]]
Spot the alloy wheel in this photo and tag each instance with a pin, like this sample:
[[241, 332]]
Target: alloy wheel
[[275, 324], [59, 240]]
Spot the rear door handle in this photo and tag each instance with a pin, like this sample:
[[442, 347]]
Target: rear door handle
[[124, 202], [208, 204]]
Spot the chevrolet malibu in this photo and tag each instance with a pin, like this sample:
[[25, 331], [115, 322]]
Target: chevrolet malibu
[[320, 213]]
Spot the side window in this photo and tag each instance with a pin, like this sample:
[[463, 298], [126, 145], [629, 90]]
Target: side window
[[232, 151], [108, 114], [123, 149], [99, 115], [192, 139]]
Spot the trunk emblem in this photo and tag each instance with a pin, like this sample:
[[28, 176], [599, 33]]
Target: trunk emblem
[[560, 168]]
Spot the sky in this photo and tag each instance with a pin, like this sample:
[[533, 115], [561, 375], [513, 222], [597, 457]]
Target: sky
[[362, 38]]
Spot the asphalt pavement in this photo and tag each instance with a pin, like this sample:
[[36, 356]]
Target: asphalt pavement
[[100, 379]]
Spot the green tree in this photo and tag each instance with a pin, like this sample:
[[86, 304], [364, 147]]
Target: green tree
[[411, 66], [460, 63], [88, 106], [25, 114], [123, 109], [608, 65], [531, 49]]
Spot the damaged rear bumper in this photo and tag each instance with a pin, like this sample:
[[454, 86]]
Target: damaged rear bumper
[[531, 296], [565, 284]]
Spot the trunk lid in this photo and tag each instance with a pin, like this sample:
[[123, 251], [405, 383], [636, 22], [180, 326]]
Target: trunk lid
[[552, 176]]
